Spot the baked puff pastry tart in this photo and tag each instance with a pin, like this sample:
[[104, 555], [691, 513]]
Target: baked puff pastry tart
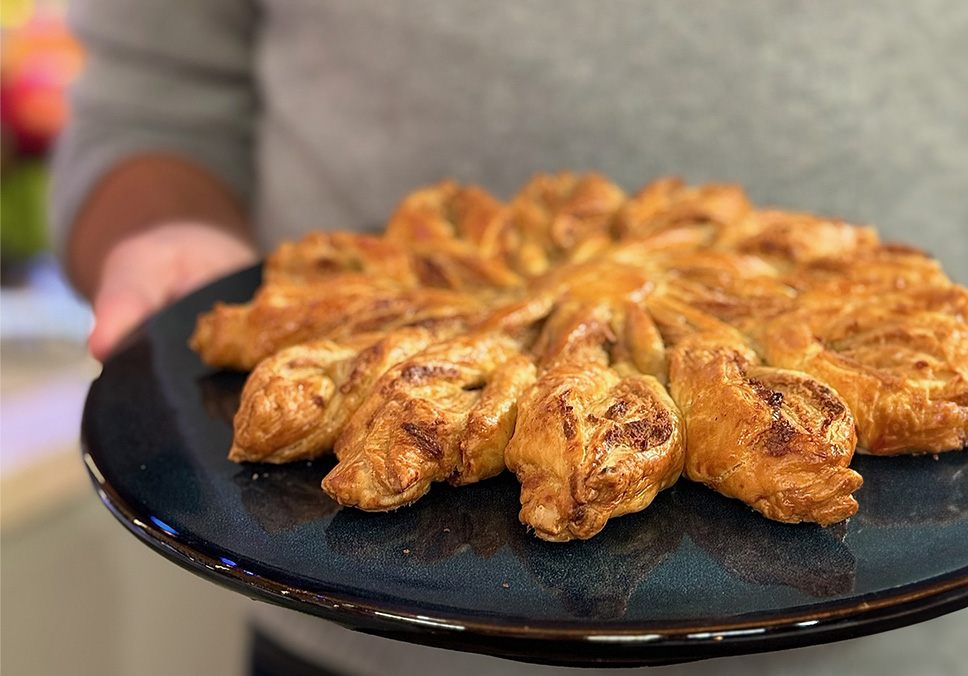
[[599, 346]]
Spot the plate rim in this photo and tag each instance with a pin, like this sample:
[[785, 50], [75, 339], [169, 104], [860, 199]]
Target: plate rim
[[872, 613], [634, 643]]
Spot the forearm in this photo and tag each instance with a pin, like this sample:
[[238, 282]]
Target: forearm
[[161, 127], [144, 191]]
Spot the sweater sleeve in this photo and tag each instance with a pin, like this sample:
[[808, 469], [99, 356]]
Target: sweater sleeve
[[161, 76]]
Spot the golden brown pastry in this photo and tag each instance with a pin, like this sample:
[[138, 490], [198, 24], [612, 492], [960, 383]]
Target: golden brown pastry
[[447, 211], [590, 445], [281, 415], [779, 440], [617, 288], [577, 290], [297, 402], [695, 215], [737, 289], [899, 359], [322, 256], [676, 321], [541, 333], [444, 414], [456, 266], [240, 336], [617, 332], [791, 238], [458, 237], [560, 217], [596, 438], [887, 267]]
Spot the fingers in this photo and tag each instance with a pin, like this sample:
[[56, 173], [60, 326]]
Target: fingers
[[131, 288], [148, 270], [202, 255], [115, 315]]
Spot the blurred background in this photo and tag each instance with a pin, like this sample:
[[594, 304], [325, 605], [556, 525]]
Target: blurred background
[[43, 324], [74, 584]]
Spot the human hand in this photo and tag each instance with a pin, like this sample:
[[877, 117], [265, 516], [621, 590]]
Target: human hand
[[146, 271]]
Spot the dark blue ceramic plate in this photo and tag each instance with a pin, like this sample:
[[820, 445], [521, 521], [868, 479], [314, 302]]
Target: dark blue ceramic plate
[[695, 575]]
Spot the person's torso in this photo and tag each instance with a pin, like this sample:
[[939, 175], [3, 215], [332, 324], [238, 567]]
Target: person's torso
[[850, 110]]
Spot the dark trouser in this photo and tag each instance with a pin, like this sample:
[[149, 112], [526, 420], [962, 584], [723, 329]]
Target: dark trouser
[[268, 658]]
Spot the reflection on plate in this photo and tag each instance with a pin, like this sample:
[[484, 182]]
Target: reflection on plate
[[938, 496], [809, 558], [621, 559], [283, 497]]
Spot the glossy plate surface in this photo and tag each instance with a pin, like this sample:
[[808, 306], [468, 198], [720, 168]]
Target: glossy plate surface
[[695, 575]]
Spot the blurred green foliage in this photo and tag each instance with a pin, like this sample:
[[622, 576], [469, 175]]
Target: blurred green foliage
[[23, 218]]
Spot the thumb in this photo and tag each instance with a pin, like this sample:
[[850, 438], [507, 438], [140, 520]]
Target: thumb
[[115, 314]]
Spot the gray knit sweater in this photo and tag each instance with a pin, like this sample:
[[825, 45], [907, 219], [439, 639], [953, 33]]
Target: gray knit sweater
[[323, 113]]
